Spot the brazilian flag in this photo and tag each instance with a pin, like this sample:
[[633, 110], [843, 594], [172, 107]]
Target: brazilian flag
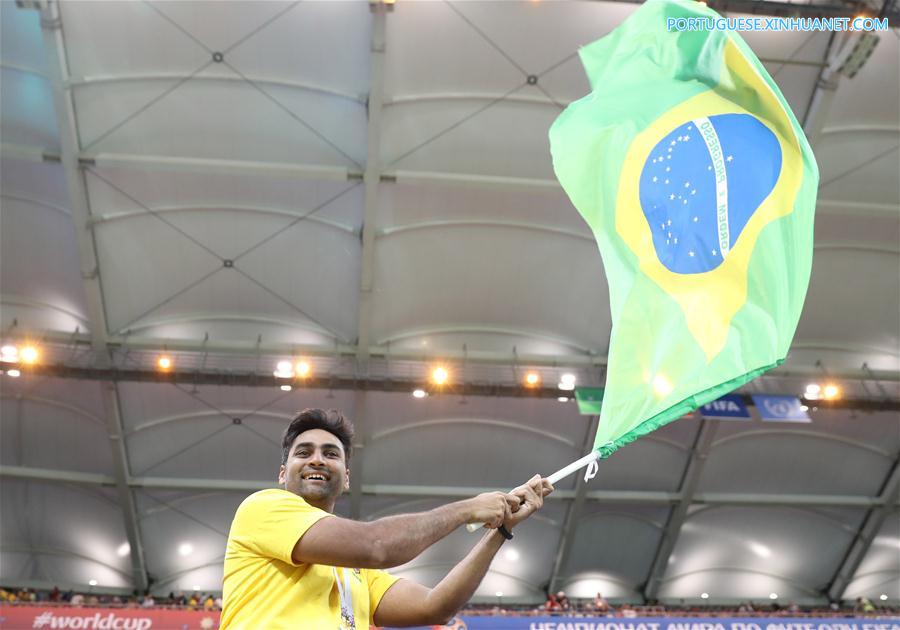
[[700, 188]]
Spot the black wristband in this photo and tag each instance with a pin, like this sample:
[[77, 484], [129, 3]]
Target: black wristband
[[505, 532]]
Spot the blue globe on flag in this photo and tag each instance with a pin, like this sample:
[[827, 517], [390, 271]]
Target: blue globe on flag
[[701, 184]]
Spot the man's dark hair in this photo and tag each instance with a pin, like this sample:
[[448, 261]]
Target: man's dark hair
[[330, 420]]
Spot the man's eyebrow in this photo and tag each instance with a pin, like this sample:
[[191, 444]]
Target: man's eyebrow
[[312, 445]]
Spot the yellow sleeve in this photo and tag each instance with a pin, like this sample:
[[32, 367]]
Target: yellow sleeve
[[269, 523], [379, 582]]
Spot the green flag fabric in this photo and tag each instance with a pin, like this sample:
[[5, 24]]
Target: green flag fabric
[[699, 185]]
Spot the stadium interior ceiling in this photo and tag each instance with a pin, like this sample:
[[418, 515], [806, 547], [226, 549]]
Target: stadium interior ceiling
[[366, 188]]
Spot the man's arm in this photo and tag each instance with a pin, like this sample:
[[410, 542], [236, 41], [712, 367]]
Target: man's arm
[[409, 604], [395, 540]]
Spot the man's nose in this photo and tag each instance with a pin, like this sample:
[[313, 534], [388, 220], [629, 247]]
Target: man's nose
[[316, 458]]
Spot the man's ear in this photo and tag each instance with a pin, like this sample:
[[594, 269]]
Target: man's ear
[[281, 479]]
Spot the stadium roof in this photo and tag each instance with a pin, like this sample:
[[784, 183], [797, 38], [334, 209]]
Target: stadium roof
[[368, 188]]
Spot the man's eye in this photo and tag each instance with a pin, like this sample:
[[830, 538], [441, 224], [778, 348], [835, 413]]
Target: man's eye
[[302, 453], [331, 454]]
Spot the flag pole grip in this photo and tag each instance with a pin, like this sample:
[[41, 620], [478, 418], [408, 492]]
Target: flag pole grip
[[562, 473]]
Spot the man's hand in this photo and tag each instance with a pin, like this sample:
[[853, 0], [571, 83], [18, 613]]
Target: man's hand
[[491, 508], [531, 497]]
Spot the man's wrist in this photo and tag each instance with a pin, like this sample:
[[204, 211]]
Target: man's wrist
[[465, 511]]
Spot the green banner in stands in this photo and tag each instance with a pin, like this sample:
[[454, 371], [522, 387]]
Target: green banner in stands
[[589, 400]]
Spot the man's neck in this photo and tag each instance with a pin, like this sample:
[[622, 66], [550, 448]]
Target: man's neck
[[326, 505]]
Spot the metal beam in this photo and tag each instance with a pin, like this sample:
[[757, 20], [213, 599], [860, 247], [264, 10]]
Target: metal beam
[[112, 407], [582, 359], [385, 383], [417, 178], [689, 480], [357, 464], [840, 46], [642, 497], [573, 513], [167, 163], [51, 27], [862, 541], [372, 181], [54, 43]]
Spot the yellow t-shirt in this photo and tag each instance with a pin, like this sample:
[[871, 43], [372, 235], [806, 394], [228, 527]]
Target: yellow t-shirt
[[263, 588]]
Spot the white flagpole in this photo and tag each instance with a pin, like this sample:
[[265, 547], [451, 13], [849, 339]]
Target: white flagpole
[[562, 473]]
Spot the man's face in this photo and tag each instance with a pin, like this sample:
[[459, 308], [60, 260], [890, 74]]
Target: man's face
[[316, 468]]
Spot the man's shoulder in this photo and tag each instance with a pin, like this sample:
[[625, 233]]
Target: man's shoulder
[[271, 501]]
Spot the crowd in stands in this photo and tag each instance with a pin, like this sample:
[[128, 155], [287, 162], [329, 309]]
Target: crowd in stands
[[557, 604], [190, 601]]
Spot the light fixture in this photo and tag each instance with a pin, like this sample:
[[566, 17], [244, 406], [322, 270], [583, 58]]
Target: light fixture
[[831, 392], [562, 399], [804, 408], [567, 382], [164, 362], [14, 373], [661, 385], [882, 597], [439, 375], [813, 390], [419, 393], [284, 369], [512, 554], [499, 593], [773, 595], [532, 379], [704, 595], [302, 369], [29, 354], [123, 550], [285, 388], [196, 587], [92, 582], [759, 549], [9, 354], [185, 549]]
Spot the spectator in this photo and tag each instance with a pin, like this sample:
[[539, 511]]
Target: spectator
[[600, 604], [55, 595], [864, 605], [77, 599], [627, 611], [208, 603], [552, 604], [148, 601], [563, 601]]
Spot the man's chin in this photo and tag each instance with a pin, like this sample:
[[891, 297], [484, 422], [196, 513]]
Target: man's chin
[[311, 492]]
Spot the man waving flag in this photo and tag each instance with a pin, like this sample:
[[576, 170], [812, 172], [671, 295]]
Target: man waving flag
[[699, 185]]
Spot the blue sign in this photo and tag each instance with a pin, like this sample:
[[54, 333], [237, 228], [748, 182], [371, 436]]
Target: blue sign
[[667, 623], [728, 407], [780, 409]]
